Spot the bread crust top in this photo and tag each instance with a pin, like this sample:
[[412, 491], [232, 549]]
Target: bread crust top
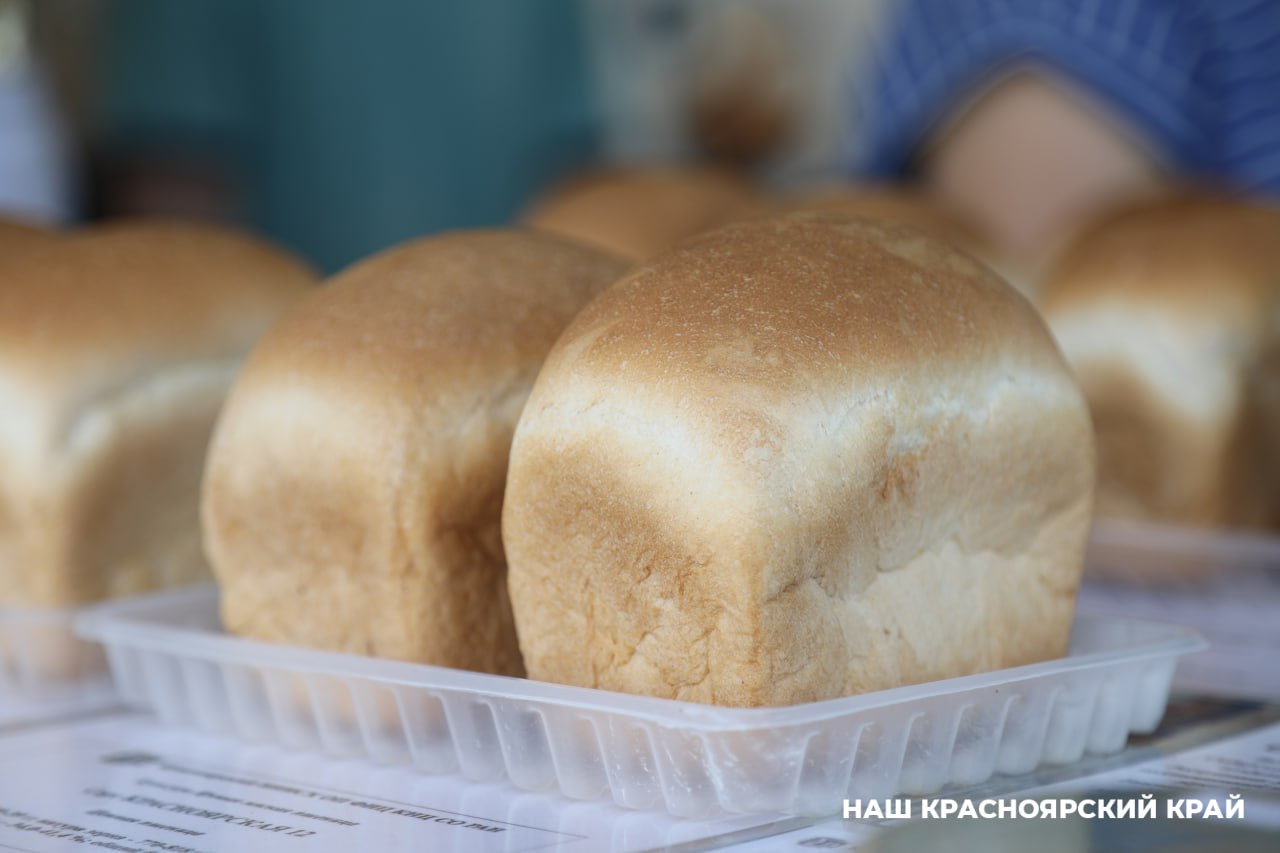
[[761, 311], [99, 311], [1185, 253]]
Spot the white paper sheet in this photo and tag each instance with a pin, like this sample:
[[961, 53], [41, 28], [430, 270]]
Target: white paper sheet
[[124, 783], [1248, 764]]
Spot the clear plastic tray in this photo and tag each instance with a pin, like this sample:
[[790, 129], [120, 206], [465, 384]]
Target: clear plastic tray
[[1149, 552], [40, 652], [168, 653]]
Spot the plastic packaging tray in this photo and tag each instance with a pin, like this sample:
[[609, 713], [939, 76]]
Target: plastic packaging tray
[[168, 653], [40, 652]]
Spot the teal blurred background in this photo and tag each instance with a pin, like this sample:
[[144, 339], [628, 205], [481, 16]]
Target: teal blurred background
[[340, 127]]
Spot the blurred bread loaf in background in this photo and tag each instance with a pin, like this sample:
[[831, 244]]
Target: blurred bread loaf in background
[[906, 206], [355, 484], [17, 238], [1168, 314], [637, 213], [117, 346], [798, 458]]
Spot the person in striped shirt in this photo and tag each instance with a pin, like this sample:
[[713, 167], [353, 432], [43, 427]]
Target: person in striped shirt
[[1031, 115]]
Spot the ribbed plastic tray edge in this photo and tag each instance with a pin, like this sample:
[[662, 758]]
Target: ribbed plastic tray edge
[[126, 622], [644, 753]]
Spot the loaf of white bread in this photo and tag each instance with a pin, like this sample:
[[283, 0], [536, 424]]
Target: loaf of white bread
[[354, 489], [794, 459], [117, 347], [1168, 313], [637, 213]]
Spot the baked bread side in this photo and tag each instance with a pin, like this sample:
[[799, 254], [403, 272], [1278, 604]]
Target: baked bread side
[[354, 489]]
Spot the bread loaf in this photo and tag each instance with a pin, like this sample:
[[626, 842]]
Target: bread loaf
[[794, 459], [117, 346], [637, 213], [354, 488], [1168, 314]]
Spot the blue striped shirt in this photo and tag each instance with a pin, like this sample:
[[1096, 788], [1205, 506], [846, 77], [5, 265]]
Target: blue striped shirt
[[1201, 78]]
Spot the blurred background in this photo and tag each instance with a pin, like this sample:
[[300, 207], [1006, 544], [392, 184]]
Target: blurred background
[[339, 128]]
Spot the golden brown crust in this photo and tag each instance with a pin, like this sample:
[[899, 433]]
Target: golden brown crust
[[1168, 312], [743, 466], [1192, 249], [638, 213], [139, 292], [354, 488], [686, 310]]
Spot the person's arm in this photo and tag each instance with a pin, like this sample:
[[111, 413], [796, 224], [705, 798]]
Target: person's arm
[[1032, 160], [1027, 114]]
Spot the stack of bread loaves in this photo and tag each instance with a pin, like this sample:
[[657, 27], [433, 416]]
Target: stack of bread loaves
[[117, 346], [798, 458], [1168, 314]]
